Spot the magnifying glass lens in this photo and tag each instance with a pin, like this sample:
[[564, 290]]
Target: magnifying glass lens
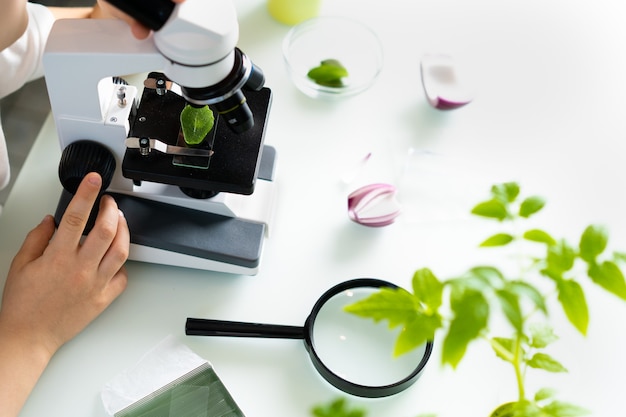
[[356, 349]]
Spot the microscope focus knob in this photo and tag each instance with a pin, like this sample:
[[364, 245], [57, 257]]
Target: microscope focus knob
[[82, 157]]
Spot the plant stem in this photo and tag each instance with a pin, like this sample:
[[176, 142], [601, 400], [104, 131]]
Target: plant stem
[[517, 365]]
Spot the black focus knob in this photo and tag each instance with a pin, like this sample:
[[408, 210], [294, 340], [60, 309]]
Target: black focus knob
[[82, 157]]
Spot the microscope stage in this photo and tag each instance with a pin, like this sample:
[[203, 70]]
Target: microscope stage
[[232, 168]]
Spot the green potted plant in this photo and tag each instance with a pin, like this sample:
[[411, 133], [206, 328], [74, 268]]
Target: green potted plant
[[460, 309]]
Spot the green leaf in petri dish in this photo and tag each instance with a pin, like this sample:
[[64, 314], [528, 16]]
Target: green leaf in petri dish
[[330, 73]]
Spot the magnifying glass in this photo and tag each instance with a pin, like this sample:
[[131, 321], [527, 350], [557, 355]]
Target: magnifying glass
[[353, 354]]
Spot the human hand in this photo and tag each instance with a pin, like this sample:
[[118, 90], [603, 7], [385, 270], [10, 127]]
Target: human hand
[[106, 9], [57, 285]]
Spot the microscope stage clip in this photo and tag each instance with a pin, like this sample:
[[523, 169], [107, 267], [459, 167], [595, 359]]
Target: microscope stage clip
[[146, 145]]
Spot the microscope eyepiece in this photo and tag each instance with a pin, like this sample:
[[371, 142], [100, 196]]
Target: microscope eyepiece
[[151, 13], [227, 95]]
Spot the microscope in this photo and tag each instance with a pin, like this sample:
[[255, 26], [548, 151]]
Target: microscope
[[205, 206]]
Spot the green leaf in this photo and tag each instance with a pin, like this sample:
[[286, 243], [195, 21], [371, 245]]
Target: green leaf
[[619, 256], [593, 242], [504, 410], [544, 394], [531, 205], [506, 192], [523, 408], [396, 305], [536, 235], [545, 362], [523, 288], [503, 348], [499, 239], [610, 277], [560, 257], [562, 409], [511, 308], [494, 209], [471, 314], [427, 288], [196, 123], [329, 73], [479, 278], [541, 335], [337, 408], [417, 332], [485, 276], [572, 299]]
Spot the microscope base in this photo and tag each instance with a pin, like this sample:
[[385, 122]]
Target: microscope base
[[171, 235], [167, 234]]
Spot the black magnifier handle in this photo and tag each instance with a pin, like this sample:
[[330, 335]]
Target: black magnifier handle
[[207, 327], [150, 13]]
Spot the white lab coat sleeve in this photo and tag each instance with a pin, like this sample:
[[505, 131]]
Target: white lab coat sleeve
[[20, 63]]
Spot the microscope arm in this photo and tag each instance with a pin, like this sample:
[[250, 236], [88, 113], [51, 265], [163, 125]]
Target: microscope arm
[[80, 53]]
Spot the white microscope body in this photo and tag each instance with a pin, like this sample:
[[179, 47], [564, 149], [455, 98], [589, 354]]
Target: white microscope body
[[195, 52]]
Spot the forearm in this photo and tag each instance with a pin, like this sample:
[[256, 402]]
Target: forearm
[[21, 364], [14, 18], [72, 12], [13, 21]]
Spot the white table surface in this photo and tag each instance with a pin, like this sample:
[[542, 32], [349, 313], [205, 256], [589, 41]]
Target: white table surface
[[550, 112]]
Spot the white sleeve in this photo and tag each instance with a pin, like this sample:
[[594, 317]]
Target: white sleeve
[[22, 61]]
